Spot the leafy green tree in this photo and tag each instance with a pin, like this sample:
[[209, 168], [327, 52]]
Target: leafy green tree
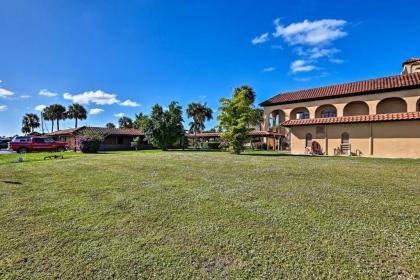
[[77, 112], [58, 112], [125, 122], [110, 125], [26, 129], [199, 113], [165, 127], [237, 117], [48, 116], [30, 122], [141, 121]]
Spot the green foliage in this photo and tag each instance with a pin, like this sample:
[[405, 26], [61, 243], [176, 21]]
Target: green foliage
[[29, 123], [237, 117], [164, 128], [125, 122], [76, 112], [199, 113], [140, 121], [110, 125], [55, 112], [90, 140]]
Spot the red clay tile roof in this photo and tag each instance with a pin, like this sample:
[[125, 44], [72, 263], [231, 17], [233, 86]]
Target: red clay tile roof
[[411, 60], [356, 119], [104, 130], [392, 83], [257, 133]]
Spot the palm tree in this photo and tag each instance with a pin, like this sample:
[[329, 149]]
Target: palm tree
[[48, 116], [26, 129], [110, 125], [58, 113], [199, 113], [77, 112], [125, 122], [30, 121]]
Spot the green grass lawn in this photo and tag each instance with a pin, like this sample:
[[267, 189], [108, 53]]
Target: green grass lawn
[[208, 215]]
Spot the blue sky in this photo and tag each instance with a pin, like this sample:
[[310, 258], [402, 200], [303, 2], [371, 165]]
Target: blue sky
[[124, 56]]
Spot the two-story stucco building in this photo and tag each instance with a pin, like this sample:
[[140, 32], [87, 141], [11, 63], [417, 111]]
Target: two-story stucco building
[[378, 117]]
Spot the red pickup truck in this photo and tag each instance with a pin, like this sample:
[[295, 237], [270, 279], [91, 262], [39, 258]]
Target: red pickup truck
[[29, 144]]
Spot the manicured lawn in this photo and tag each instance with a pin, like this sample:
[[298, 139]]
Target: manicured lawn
[[208, 215]]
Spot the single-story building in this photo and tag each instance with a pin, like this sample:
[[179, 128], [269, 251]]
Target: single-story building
[[377, 117], [115, 138]]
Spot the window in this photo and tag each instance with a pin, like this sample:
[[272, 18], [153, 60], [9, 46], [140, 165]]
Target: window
[[120, 140], [308, 140], [345, 137], [38, 140], [302, 115], [49, 140], [329, 113]]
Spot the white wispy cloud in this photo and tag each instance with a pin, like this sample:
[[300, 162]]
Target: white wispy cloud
[[269, 69], [98, 97], [316, 52], [3, 108], [40, 108], [46, 92], [260, 39], [6, 93], [25, 96], [336, 60], [1, 81], [129, 103], [301, 65], [119, 115], [318, 32], [95, 111]]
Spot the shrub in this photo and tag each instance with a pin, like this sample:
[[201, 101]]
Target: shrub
[[213, 145], [90, 141]]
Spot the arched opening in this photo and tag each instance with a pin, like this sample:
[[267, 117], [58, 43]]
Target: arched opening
[[356, 108], [391, 105], [326, 111], [308, 140], [299, 114], [345, 138], [276, 118]]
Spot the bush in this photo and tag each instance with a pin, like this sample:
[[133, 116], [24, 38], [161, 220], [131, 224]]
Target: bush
[[90, 141], [213, 145]]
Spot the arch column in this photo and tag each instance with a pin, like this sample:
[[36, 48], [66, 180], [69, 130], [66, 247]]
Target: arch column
[[312, 111], [372, 106], [340, 109], [411, 103]]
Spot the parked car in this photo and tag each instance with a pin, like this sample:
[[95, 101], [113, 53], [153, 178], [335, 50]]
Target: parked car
[[30, 144], [4, 143]]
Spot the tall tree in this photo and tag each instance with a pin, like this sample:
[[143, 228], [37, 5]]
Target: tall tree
[[125, 122], [238, 115], [30, 121], [165, 128], [199, 113], [48, 116], [141, 121], [58, 112], [26, 130], [77, 112], [110, 125]]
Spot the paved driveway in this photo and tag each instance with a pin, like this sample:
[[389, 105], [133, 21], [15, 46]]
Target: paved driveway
[[3, 151]]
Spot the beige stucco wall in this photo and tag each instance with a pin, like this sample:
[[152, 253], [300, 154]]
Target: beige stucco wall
[[382, 139], [411, 97]]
